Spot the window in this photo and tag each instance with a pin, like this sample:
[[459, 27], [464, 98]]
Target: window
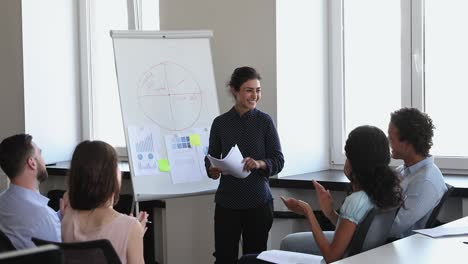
[[100, 97], [445, 75], [372, 68], [389, 54]]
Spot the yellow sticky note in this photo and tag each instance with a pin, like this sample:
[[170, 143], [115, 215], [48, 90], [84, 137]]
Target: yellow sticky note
[[195, 140], [163, 165]]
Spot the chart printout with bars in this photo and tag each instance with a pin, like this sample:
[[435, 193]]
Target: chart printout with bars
[[143, 154]]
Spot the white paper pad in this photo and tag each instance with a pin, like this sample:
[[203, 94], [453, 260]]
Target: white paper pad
[[287, 257], [231, 164], [442, 231]]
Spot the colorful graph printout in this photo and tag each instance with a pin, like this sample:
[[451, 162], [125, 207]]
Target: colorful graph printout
[[143, 154], [186, 153]]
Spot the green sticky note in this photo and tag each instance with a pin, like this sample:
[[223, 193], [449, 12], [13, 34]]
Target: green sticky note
[[163, 165], [195, 140]]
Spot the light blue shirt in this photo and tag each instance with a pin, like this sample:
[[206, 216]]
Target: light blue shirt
[[355, 207], [24, 214], [423, 186]]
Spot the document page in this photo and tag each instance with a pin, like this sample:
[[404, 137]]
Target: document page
[[231, 164], [186, 154], [287, 257], [143, 150], [442, 231]]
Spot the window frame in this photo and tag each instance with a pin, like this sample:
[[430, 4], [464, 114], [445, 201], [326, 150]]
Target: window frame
[[412, 74], [135, 22]]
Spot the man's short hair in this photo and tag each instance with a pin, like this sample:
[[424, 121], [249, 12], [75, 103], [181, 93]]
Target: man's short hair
[[14, 151], [414, 127]]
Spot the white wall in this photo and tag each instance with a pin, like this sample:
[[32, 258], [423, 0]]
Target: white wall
[[11, 74], [302, 62], [244, 34], [11, 69], [39, 74]]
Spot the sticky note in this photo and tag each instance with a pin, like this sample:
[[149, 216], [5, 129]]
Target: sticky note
[[195, 140], [163, 165]]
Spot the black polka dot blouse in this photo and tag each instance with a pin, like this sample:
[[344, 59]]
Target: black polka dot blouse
[[255, 134]]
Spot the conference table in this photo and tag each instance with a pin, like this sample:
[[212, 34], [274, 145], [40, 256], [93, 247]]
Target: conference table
[[418, 248]]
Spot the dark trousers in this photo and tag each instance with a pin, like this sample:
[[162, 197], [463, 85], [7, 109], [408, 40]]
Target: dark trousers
[[253, 224]]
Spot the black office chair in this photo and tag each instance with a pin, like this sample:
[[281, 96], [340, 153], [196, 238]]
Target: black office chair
[[5, 243], [50, 254], [373, 231], [90, 252], [432, 220], [54, 198], [123, 205]]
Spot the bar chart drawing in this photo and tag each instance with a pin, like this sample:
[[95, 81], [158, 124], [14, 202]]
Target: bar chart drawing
[[146, 144], [143, 150]]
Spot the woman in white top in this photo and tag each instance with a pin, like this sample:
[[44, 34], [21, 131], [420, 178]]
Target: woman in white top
[[94, 182], [373, 183]]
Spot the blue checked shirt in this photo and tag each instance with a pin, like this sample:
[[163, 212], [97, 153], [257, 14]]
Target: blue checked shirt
[[24, 214], [423, 186]]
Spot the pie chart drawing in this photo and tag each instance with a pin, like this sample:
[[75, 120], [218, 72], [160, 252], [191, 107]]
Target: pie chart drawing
[[170, 96]]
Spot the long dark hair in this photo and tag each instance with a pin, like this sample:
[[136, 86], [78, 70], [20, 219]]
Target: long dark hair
[[92, 178], [368, 152]]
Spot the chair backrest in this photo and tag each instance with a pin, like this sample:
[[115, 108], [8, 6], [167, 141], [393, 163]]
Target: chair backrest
[[5, 243], [95, 251], [431, 221], [50, 254], [372, 231], [54, 198]]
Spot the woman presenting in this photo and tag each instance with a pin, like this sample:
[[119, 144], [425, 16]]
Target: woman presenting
[[244, 206]]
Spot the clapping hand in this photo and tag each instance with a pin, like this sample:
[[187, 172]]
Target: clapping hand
[[143, 219], [325, 199], [297, 206]]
